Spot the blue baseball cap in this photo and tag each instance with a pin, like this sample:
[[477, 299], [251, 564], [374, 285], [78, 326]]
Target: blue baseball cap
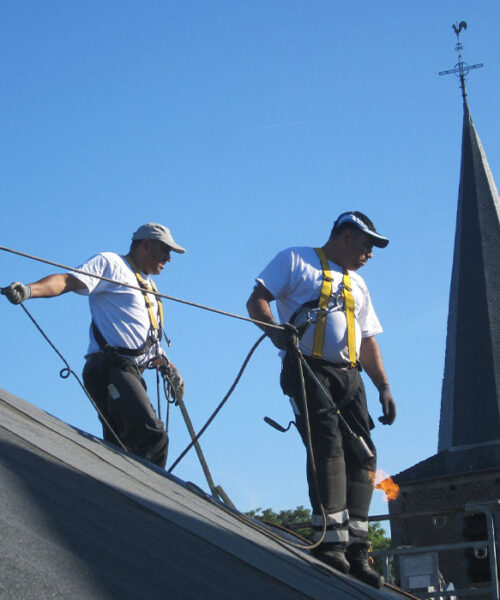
[[378, 240]]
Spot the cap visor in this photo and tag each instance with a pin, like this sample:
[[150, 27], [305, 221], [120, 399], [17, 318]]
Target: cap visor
[[378, 240]]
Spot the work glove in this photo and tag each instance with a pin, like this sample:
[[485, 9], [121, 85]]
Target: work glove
[[17, 292], [172, 374], [282, 338], [388, 404]]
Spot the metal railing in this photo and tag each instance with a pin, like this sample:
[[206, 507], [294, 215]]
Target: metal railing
[[482, 548]]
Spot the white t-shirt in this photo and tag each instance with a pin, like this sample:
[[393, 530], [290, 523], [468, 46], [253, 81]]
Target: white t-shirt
[[119, 312], [295, 277]]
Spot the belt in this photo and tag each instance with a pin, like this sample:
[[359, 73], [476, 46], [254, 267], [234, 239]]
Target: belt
[[338, 365], [343, 366]]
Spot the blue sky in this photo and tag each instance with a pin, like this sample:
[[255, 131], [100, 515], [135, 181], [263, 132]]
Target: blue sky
[[245, 127]]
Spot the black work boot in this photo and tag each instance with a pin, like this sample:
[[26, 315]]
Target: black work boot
[[332, 554], [357, 555]]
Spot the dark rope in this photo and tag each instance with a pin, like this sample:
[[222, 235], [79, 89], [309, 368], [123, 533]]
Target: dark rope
[[216, 411], [135, 287], [67, 371], [309, 447]]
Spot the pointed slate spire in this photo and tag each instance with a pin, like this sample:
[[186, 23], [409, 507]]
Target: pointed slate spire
[[470, 403], [469, 428]]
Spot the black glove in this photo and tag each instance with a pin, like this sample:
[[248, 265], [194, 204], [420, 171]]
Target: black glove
[[17, 292], [282, 338], [388, 404], [172, 374]]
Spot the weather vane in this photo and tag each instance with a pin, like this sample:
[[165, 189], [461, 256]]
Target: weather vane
[[461, 68]]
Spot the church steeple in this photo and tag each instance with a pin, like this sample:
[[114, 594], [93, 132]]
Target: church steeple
[[469, 428], [466, 469], [470, 404]]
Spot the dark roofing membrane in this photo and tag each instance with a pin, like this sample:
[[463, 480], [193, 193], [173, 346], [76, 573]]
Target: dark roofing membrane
[[80, 519], [469, 431]]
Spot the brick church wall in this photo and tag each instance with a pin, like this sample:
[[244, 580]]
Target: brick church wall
[[427, 530]]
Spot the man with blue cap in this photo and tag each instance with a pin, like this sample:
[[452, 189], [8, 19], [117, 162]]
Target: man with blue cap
[[125, 336], [321, 299]]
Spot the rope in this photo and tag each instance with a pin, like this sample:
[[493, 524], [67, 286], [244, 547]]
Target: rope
[[64, 373], [309, 449], [67, 371], [216, 411], [135, 287]]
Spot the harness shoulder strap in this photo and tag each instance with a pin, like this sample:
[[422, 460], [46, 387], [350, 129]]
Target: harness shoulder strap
[[349, 313], [155, 324], [324, 298]]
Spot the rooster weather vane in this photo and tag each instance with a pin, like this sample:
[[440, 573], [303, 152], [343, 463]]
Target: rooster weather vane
[[461, 69], [457, 28]]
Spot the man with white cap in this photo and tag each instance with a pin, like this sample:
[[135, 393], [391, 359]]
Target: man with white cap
[[125, 335], [321, 298]]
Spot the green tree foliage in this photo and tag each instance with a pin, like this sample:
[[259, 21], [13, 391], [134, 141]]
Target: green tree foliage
[[378, 541], [299, 520], [289, 519]]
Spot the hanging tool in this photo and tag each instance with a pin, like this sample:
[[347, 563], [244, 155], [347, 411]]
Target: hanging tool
[[216, 490]]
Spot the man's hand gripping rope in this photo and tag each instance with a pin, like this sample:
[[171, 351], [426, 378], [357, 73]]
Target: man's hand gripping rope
[[284, 336], [172, 374], [17, 292]]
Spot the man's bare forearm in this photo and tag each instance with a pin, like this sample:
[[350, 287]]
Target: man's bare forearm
[[259, 307], [371, 361], [55, 285]]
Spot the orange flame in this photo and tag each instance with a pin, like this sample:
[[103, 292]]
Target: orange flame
[[383, 482]]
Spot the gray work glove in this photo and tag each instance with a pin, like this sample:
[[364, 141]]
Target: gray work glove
[[172, 374], [388, 404], [282, 338], [17, 292]]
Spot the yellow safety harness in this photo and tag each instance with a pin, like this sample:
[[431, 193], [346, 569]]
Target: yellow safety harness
[[156, 321], [156, 324], [324, 299]]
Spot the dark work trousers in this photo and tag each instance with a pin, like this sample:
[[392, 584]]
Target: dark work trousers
[[118, 389], [345, 485]]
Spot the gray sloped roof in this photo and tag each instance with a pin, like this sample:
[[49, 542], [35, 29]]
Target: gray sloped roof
[[80, 519]]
